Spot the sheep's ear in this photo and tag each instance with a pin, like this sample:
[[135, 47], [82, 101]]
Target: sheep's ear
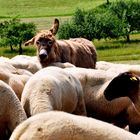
[[31, 41], [55, 26]]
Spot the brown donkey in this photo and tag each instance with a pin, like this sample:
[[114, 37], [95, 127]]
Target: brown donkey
[[78, 51]]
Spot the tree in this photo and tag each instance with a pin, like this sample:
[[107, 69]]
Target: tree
[[115, 20], [129, 13], [108, 26], [81, 25], [14, 33]]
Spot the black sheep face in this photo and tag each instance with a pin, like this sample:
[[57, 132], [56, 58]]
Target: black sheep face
[[125, 84]]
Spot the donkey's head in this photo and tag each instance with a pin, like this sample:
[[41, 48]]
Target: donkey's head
[[45, 41]]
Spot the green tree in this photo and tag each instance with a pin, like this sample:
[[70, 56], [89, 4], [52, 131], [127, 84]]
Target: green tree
[[14, 33], [112, 20], [81, 25], [108, 26], [129, 13]]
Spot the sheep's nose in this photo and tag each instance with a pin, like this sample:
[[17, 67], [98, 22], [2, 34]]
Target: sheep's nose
[[43, 54]]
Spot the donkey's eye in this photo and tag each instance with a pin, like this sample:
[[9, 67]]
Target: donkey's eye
[[50, 43], [37, 42]]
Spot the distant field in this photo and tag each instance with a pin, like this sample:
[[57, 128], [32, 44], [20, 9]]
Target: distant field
[[42, 12], [44, 8]]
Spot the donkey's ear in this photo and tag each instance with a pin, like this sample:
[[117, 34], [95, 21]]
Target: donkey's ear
[[55, 26], [31, 41]]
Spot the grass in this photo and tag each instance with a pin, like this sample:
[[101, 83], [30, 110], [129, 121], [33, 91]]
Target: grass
[[42, 12], [43, 8], [6, 52], [119, 50]]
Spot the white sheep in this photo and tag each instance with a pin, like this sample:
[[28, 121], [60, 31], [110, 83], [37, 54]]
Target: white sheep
[[52, 88], [15, 78], [62, 65], [118, 68], [11, 111], [57, 125], [29, 63], [121, 111]]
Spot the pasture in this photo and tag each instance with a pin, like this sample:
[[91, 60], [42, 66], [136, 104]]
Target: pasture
[[44, 8], [119, 50], [42, 14]]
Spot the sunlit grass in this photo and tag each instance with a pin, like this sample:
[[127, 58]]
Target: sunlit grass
[[118, 50], [6, 52], [44, 8]]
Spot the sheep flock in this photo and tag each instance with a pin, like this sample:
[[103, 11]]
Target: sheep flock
[[65, 102], [64, 93]]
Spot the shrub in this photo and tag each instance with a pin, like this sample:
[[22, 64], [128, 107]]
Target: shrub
[[14, 33]]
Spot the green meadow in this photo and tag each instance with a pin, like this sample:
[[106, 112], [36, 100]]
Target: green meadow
[[119, 50], [43, 12], [44, 8]]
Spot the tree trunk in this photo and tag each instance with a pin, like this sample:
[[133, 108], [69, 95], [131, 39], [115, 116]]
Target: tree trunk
[[11, 48], [128, 38], [107, 1], [20, 48]]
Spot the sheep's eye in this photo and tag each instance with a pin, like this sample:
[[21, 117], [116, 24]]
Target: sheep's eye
[[50, 43]]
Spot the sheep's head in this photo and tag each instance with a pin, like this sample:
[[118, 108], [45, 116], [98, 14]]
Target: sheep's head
[[125, 84], [45, 42]]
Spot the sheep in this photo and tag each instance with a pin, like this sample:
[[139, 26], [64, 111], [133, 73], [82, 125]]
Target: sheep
[[58, 125], [15, 78], [130, 88], [29, 63], [78, 51], [11, 111], [62, 65], [121, 111], [118, 68], [4, 59], [32, 64], [51, 88]]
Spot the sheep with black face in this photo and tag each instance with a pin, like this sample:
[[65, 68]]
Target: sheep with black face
[[120, 111], [129, 86]]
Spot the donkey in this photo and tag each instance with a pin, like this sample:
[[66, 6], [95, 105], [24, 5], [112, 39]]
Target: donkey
[[77, 51]]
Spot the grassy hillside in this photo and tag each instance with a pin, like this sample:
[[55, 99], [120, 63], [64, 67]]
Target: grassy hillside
[[42, 12], [44, 8]]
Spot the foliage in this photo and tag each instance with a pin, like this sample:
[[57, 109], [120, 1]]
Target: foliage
[[81, 26], [111, 20], [108, 26], [129, 13], [14, 33]]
